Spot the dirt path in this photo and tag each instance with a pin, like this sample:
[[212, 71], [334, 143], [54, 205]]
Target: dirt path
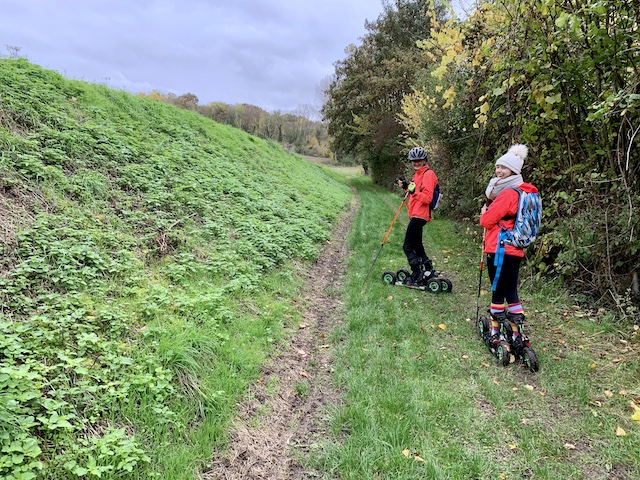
[[281, 417]]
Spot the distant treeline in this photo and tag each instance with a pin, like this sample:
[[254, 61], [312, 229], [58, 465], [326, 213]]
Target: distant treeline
[[295, 132]]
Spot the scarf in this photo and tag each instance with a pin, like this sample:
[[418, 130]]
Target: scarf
[[498, 185]]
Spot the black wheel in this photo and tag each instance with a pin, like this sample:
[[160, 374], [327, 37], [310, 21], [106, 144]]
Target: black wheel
[[389, 278], [484, 327], [445, 285], [530, 359], [402, 275], [433, 285], [503, 353]]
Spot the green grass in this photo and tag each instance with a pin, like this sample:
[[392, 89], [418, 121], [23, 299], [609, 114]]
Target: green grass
[[424, 399], [149, 266]]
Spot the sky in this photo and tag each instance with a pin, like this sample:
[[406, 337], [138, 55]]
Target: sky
[[274, 54]]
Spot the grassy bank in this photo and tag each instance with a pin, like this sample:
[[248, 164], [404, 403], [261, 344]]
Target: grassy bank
[[148, 265], [424, 399]]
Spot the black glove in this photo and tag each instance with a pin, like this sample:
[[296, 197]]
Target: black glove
[[402, 183]]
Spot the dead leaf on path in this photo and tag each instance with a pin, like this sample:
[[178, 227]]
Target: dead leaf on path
[[620, 432], [302, 326], [304, 374], [525, 421]]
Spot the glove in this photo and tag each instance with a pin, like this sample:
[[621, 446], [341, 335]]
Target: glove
[[411, 187], [402, 183]]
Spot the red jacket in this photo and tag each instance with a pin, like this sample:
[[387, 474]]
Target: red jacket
[[426, 181], [502, 213]]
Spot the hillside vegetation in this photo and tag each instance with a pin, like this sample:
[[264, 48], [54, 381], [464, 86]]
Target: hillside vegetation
[[138, 238]]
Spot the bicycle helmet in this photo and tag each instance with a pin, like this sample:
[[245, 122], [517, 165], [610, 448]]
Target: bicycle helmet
[[417, 153]]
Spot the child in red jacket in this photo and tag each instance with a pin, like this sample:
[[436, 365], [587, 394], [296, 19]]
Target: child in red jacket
[[497, 213], [420, 192]]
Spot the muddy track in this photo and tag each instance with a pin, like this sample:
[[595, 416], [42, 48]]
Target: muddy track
[[281, 417]]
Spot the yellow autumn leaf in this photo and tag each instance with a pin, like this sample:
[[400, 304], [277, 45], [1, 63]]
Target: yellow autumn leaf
[[608, 393], [529, 387], [569, 446], [442, 326], [512, 446], [418, 458], [406, 452], [620, 432], [593, 365], [636, 416]]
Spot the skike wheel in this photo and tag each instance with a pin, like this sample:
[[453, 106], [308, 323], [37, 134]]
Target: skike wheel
[[434, 285], [402, 275], [483, 326], [530, 359], [503, 353], [445, 285], [389, 278]]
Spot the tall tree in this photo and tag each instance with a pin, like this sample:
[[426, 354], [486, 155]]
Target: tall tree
[[364, 99]]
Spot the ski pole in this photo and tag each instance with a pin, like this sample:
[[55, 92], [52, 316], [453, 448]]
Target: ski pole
[[384, 240], [484, 233]]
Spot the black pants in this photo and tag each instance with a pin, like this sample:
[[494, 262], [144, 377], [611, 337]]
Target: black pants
[[507, 288], [413, 247]]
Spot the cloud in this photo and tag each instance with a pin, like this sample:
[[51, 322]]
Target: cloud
[[272, 54]]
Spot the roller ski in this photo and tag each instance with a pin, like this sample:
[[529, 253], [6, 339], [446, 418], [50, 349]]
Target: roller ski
[[429, 280], [503, 345]]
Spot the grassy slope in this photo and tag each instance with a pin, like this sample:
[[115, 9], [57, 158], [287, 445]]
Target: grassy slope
[[424, 399], [147, 269]]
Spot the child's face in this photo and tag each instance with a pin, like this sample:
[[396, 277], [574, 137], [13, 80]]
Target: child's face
[[416, 164], [503, 172]]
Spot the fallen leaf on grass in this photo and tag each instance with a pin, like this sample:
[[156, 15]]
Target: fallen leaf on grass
[[529, 387], [390, 297], [496, 381], [512, 446], [442, 326], [593, 365], [406, 452], [569, 446], [418, 458], [616, 360], [608, 393], [636, 411], [465, 356], [484, 364], [620, 432]]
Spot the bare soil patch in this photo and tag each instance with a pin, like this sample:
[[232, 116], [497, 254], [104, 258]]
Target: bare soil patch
[[282, 416]]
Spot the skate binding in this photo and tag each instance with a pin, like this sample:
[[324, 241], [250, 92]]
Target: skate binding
[[504, 345]]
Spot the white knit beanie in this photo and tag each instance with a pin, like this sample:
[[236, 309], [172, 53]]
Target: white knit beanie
[[514, 158]]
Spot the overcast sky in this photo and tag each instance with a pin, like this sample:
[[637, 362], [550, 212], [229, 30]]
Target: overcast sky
[[270, 53]]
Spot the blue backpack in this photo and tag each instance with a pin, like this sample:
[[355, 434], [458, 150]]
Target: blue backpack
[[437, 196], [525, 228]]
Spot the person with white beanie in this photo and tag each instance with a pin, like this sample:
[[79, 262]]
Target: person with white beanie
[[499, 212]]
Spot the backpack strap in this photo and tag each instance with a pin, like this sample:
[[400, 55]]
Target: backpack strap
[[500, 249]]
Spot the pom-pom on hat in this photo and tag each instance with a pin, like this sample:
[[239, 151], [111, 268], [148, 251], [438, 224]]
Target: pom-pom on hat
[[514, 158]]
